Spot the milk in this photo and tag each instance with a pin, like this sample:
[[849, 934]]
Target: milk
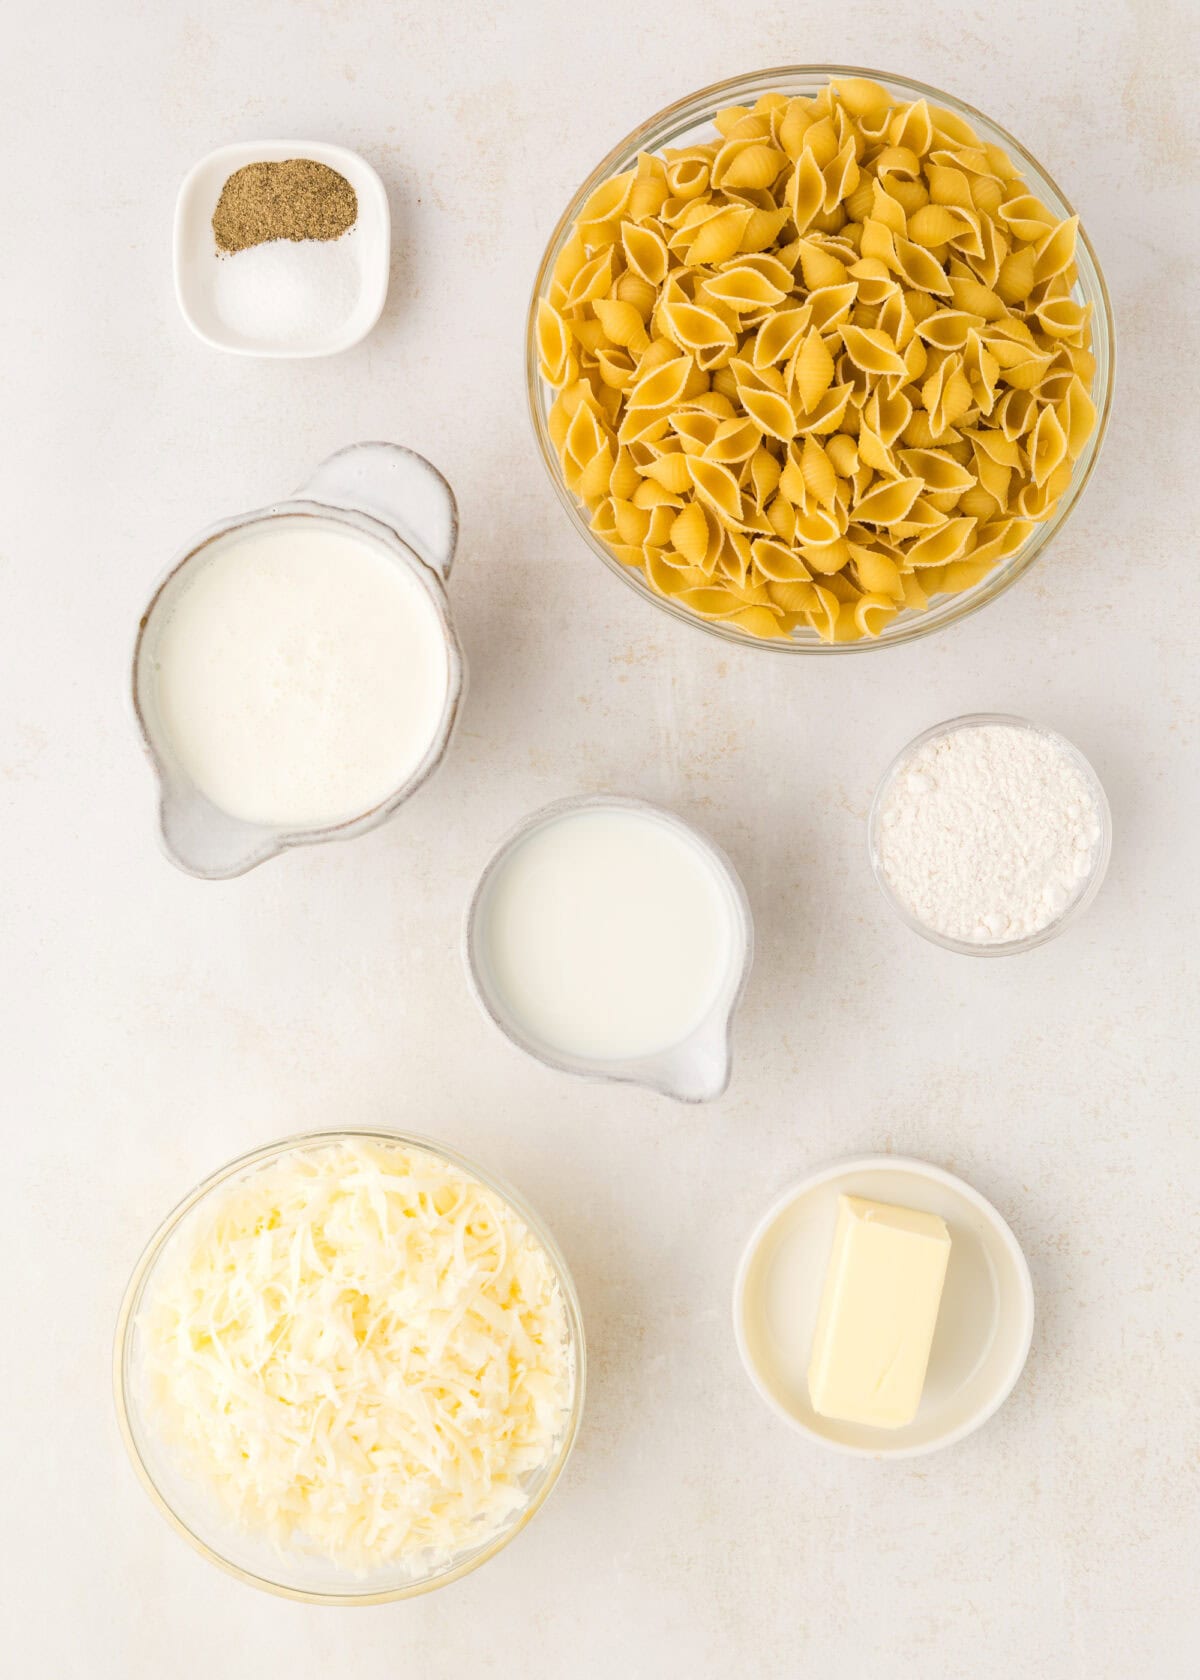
[[302, 674], [607, 934]]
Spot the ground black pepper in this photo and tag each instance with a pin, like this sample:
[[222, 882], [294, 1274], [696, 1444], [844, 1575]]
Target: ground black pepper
[[298, 199]]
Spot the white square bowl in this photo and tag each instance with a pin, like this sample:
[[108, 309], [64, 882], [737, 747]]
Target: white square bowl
[[196, 256]]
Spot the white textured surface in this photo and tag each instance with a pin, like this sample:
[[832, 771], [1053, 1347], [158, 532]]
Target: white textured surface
[[155, 1025]]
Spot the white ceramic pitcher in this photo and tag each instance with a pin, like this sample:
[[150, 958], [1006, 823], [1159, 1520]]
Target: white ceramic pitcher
[[386, 492], [694, 1071]]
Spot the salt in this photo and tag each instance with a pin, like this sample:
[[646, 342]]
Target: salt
[[286, 292]]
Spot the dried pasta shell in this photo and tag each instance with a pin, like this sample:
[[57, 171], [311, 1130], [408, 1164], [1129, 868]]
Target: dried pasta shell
[[646, 199], [1077, 416], [877, 572], [828, 414], [631, 523], [734, 440], [1047, 446], [592, 281], [696, 329], [755, 166], [651, 494], [797, 116], [689, 534], [735, 558], [716, 486], [830, 306], [918, 268], [818, 473], [594, 479], [872, 351], [937, 224], [888, 503], [729, 121], [1063, 317], [938, 470], [761, 621], [872, 612], [554, 341], [823, 616], [765, 470], [625, 476], [720, 236], [813, 371], [744, 289], [671, 471], [944, 544], [873, 452], [771, 413], [646, 252], [615, 368], [622, 324], [978, 504], [947, 329], [584, 435], [663, 386], [607, 200], [780, 335], [778, 562], [819, 266], [817, 527], [695, 427], [687, 177], [763, 228], [1027, 374]]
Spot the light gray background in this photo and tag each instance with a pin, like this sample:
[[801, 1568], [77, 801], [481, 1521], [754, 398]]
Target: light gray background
[[153, 1026]]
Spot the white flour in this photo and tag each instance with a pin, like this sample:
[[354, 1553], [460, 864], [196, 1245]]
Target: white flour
[[988, 833]]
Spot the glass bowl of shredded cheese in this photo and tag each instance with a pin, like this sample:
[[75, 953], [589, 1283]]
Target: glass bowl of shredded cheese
[[819, 359], [349, 1367]]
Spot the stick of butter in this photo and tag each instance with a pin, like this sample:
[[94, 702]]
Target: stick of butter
[[878, 1312]]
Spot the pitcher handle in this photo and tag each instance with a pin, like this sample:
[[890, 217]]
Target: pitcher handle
[[399, 488]]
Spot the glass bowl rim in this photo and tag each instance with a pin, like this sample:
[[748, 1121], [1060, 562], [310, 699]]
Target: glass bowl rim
[[916, 625], [144, 1268], [1076, 907]]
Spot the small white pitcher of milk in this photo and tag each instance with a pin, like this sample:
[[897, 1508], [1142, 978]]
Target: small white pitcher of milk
[[296, 675], [609, 938]]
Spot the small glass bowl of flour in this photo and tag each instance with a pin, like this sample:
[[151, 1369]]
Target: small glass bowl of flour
[[988, 834]]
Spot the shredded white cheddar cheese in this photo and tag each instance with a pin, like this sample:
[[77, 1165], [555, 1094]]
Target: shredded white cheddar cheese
[[363, 1353]]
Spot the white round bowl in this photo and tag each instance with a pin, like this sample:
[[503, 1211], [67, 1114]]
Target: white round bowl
[[984, 1326]]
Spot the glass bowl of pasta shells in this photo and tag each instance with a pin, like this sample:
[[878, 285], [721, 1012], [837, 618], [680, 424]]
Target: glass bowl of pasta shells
[[819, 359]]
